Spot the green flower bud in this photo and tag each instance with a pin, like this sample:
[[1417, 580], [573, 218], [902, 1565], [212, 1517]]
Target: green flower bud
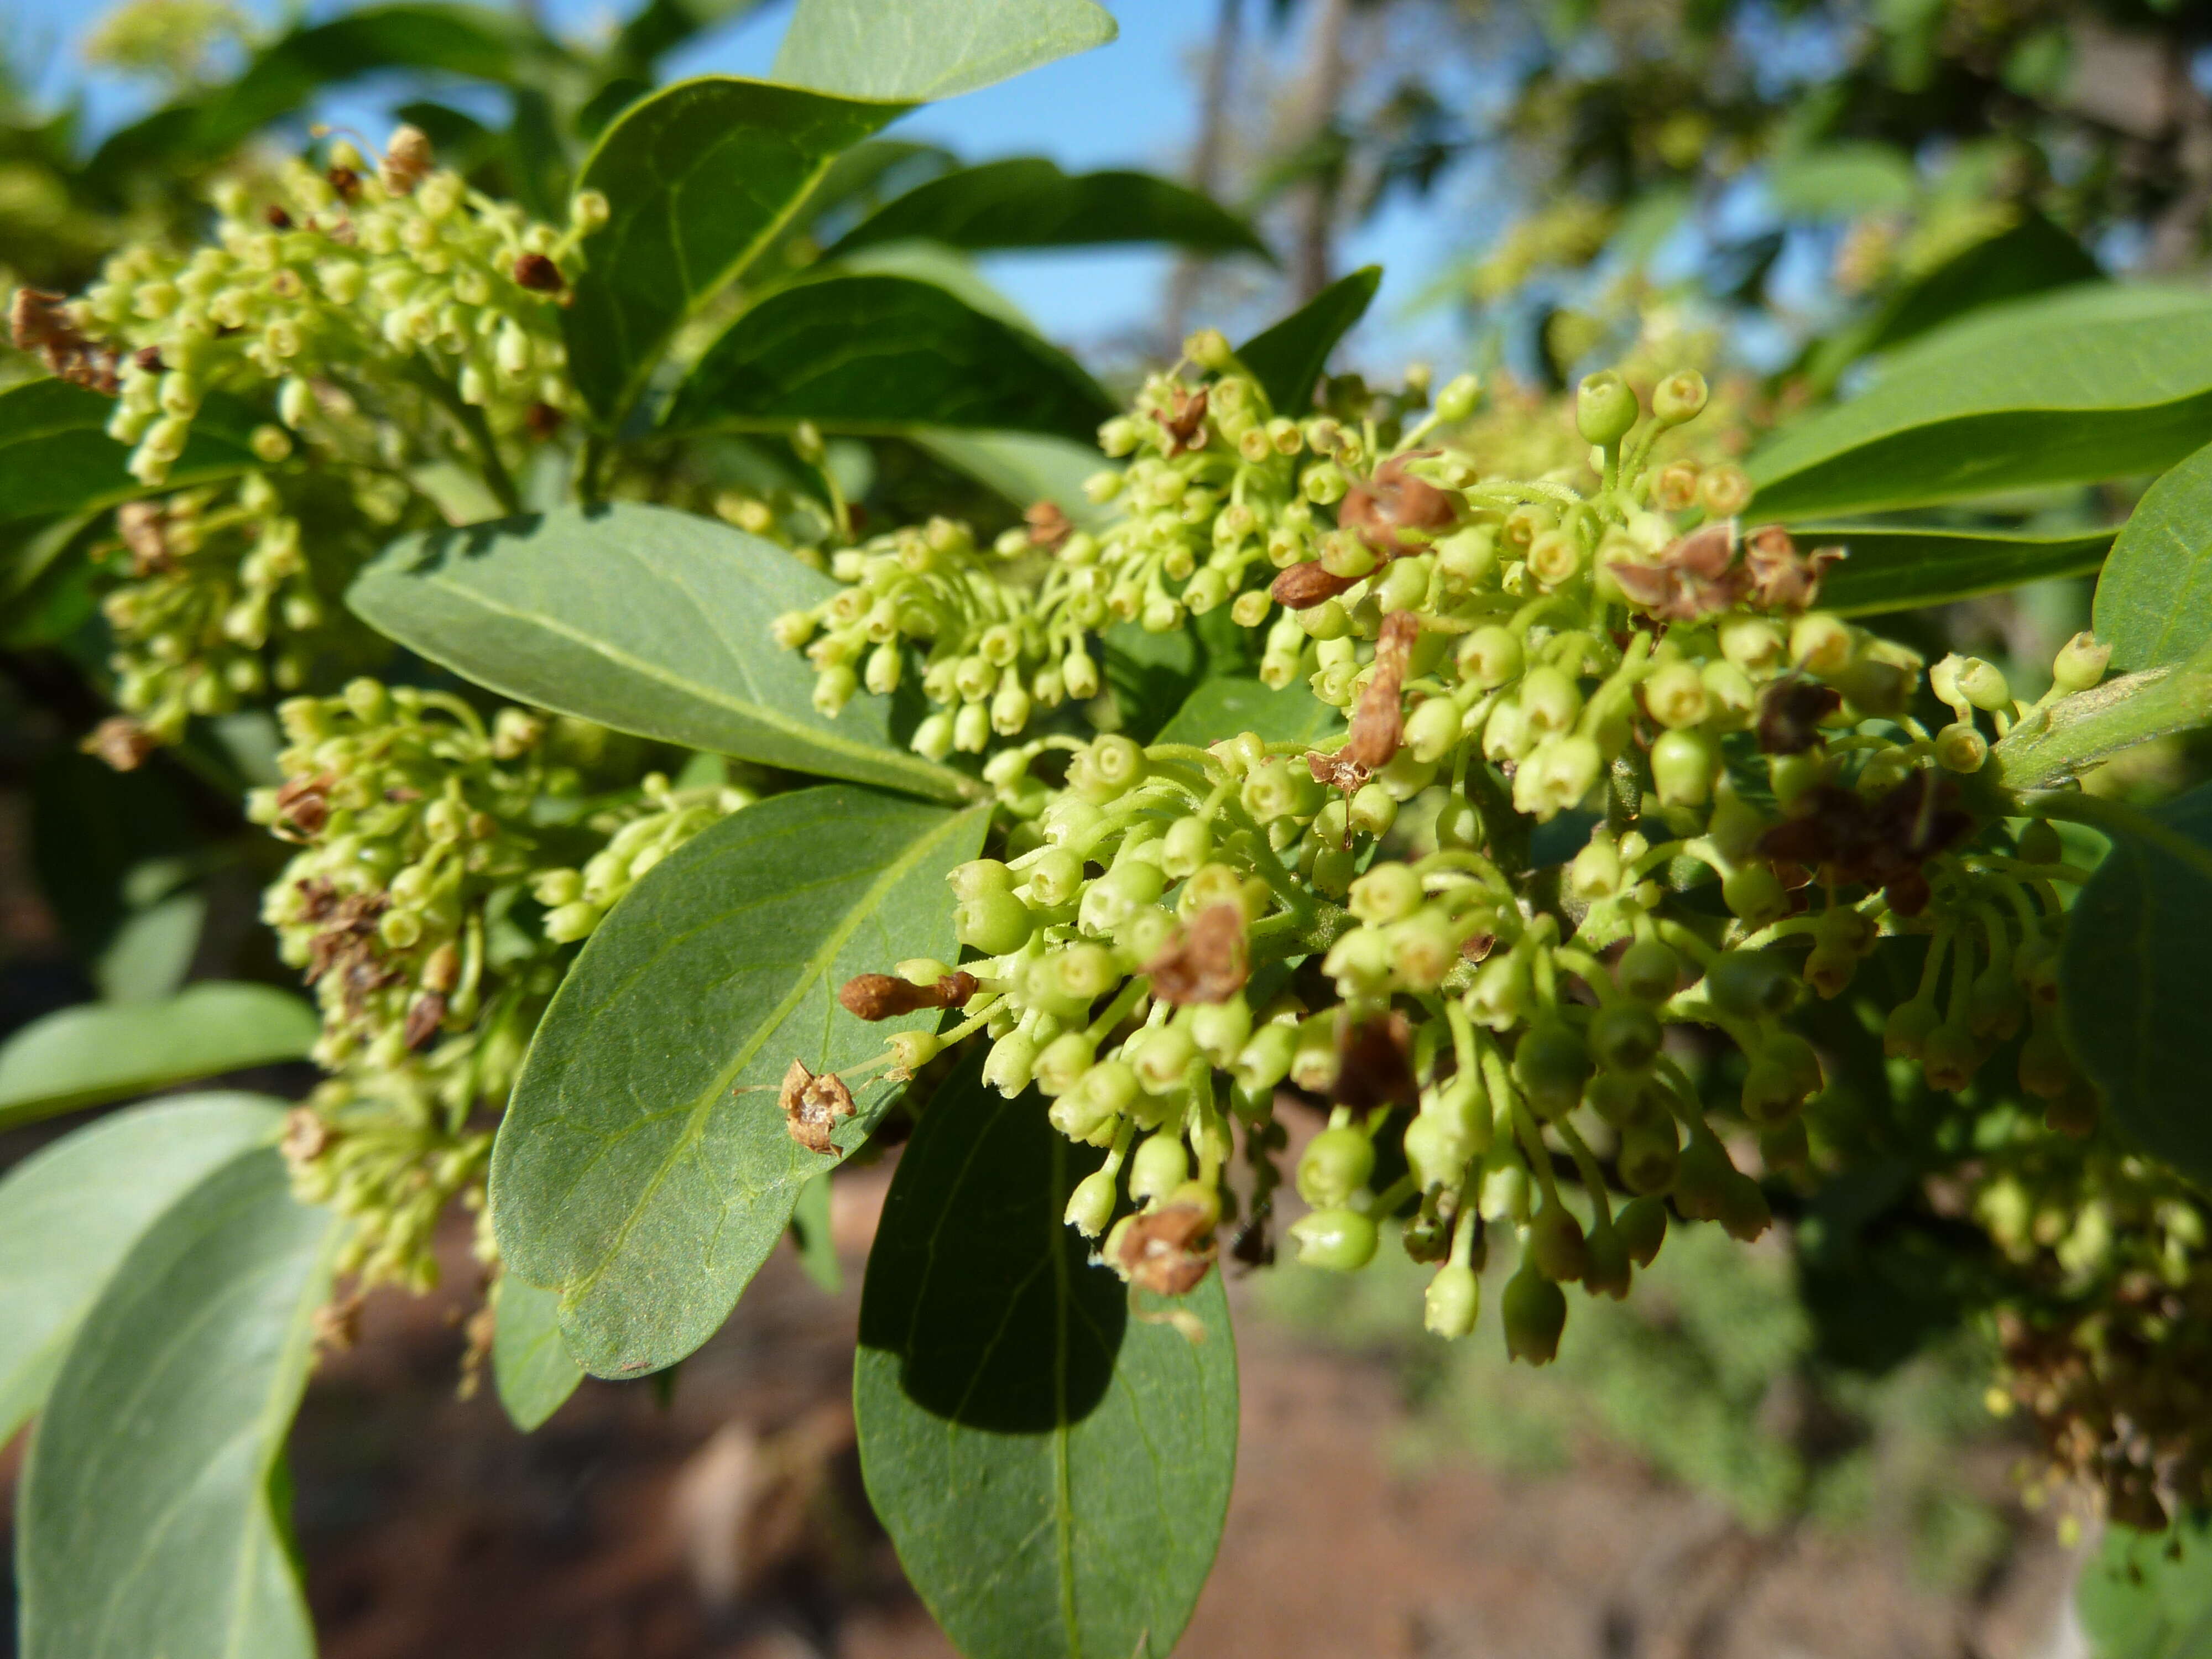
[[1982, 684], [1605, 408], [2080, 663], [1265, 1060], [1335, 1164], [1314, 1060], [1499, 996], [1465, 556], [1754, 893], [1594, 873], [1907, 1030], [1456, 401], [1556, 1245], [1406, 775], [1011, 1064], [1332, 870], [1960, 747], [1649, 1154], [1701, 1175], [1624, 1036], [1749, 984], [1163, 1058], [1675, 696], [1056, 878], [1189, 843], [1080, 973], [1090, 1205], [1683, 767], [1437, 1151], [1743, 1209], [1551, 1064], [1491, 656], [992, 922], [1649, 970], [1432, 729], [1534, 1312], [1679, 398], [1550, 701], [1785, 1146], [1820, 643], [1641, 1225], [1221, 1029], [1063, 1063], [1386, 893], [1107, 1090], [1161, 1165], [1950, 1057], [1783, 1075], [1340, 1241], [933, 739], [1454, 1296]]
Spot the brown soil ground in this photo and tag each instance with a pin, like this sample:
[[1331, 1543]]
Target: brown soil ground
[[724, 1519]]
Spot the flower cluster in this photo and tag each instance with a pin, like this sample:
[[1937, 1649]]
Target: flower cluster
[[429, 905], [1174, 933], [350, 272]]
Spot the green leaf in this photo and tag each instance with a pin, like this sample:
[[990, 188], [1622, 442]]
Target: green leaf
[[1287, 359], [2034, 256], [1028, 202], [2076, 732], [1053, 1470], [2154, 600], [1220, 708], [925, 49], [2138, 954], [884, 355], [69, 1211], [2149, 1596], [99, 1052], [152, 951], [1902, 567], [2072, 387], [1843, 180], [1026, 467], [810, 1232], [700, 176], [147, 1523], [56, 457], [644, 619], [658, 27], [531, 1366], [644, 1167]]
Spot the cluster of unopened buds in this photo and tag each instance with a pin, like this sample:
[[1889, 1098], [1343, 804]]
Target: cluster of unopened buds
[[357, 288], [1174, 933]]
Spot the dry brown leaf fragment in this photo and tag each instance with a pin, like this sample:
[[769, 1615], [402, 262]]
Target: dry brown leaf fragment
[[1205, 960], [1047, 525], [1302, 586], [1377, 509], [1184, 421], [1379, 724], [121, 741], [1168, 1250], [813, 1106], [887, 996]]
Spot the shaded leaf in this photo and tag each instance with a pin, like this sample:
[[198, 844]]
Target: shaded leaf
[[99, 1052], [147, 1523], [2082, 384], [924, 49], [152, 951], [2137, 955], [1027, 467], [885, 354], [645, 1168], [2149, 1596], [1054, 1471], [56, 457], [2154, 600], [1028, 202], [531, 1366], [699, 177], [810, 1232], [1843, 180], [1902, 567], [70, 1211], [2076, 732], [2034, 256], [1287, 359], [658, 27], [642, 618], [1222, 708]]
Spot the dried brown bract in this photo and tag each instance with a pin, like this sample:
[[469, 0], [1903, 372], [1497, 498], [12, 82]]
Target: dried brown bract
[[1185, 421], [303, 807], [1790, 712], [121, 741], [538, 273], [1303, 586], [1378, 725], [143, 526], [1205, 962], [408, 159], [1781, 578], [813, 1106], [1375, 1064], [39, 322], [306, 1136], [1168, 1250], [1690, 578], [1377, 509], [336, 1324], [887, 996], [1049, 526], [1337, 772], [424, 1016]]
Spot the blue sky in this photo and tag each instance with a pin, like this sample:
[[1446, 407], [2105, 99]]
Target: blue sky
[[1129, 104]]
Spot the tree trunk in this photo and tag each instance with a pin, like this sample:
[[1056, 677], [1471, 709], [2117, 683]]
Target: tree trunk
[[1314, 213], [1206, 161]]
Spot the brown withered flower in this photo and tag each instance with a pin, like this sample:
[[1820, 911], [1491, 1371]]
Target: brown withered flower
[[121, 741], [1375, 1064], [39, 322], [142, 526], [1184, 421], [1337, 772], [813, 1106], [1205, 960], [1790, 711], [408, 159], [1379, 724], [1377, 509], [424, 1016], [1781, 578], [542, 420], [1882, 842], [1302, 586], [1691, 577], [1168, 1250], [303, 806], [887, 996], [1047, 525], [306, 1136], [538, 273]]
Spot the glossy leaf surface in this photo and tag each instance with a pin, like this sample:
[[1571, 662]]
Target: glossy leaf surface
[[885, 354], [1053, 1471], [1028, 202], [531, 1367], [70, 1211], [1027, 467], [2154, 600], [99, 1052], [1287, 359], [2085, 384], [2076, 732], [147, 1523], [56, 457], [923, 49], [644, 1168], [1222, 708], [1902, 567], [641, 618], [699, 177], [2138, 954]]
